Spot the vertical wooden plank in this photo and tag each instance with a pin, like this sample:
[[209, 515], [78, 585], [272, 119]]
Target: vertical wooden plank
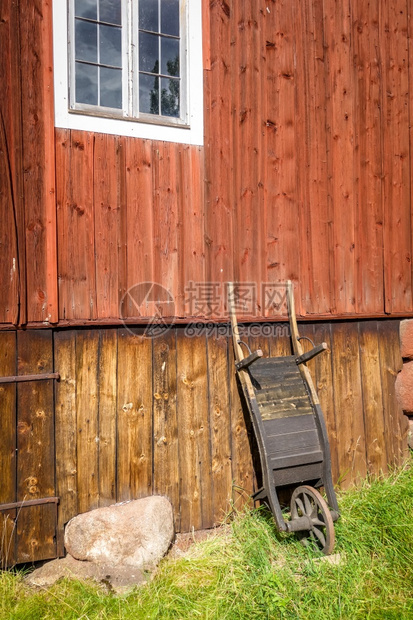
[[76, 230], [39, 159], [348, 403], [87, 359], [107, 379], [220, 426], [315, 232], [283, 214], [191, 221], [165, 422], [324, 382], [11, 113], [395, 423], [193, 433], [139, 215], [372, 398], [241, 439], [65, 430], [248, 144], [396, 166], [134, 417], [107, 224], [9, 274], [8, 447], [340, 146], [35, 443], [368, 158], [166, 225], [218, 95]]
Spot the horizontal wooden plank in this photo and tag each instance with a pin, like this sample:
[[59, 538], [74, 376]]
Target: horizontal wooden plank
[[293, 460]]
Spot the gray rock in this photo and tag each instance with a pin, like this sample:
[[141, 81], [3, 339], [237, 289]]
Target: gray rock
[[135, 534], [119, 579]]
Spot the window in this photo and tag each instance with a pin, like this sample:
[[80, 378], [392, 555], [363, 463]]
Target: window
[[129, 67]]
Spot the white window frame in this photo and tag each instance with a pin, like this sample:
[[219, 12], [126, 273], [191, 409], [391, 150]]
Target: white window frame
[[69, 115]]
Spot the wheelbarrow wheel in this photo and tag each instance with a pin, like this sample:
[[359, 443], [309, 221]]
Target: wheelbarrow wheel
[[307, 502]]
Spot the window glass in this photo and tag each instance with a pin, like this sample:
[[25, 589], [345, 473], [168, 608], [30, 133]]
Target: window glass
[[149, 15], [169, 97], [86, 83], [110, 45], [170, 17], [149, 52], [170, 56], [110, 88], [86, 37], [149, 94], [86, 8], [110, 11]]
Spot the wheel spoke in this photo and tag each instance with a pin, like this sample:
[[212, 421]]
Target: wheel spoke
[[320, 536], [318, 522], [300, 505], [308, 505]]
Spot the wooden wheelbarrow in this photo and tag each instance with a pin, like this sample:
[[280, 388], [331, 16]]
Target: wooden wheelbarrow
[[291, 433]]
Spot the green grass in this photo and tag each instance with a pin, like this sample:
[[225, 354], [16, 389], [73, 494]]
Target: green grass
[[254, 572]]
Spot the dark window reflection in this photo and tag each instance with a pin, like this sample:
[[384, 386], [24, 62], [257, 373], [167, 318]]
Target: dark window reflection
[[86, 84]]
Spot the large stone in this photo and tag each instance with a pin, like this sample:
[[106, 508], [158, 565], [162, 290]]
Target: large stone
[[120, 579], [136, 533], [404, 387], [406, 338]]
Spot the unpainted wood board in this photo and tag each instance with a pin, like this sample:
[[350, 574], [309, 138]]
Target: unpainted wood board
[[193, 434], [395, 423], [39, 160], [8, 448], [372, 398], [351, 443], [394, 47], [219, 191], [107, 224], [368, 161], [220, 426], [241, 439], [87, 425], [340, 146], [8, 359], [134, 415], [65, 429], [324, 384], [36, 528], [107, 395], [76, 229], [282, 213], [165, 422], [138, 212]]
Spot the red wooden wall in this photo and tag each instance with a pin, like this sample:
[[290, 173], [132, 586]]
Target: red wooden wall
[[305, 172]]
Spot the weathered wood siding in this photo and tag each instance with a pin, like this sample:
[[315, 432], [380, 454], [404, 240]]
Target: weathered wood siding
[[305, 172], [133, 416]]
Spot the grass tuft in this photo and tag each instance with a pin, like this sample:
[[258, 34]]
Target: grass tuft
[[253, 571]]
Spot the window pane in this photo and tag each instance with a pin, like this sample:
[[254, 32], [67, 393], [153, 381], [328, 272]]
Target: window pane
[[110, 41], [86, 8], [86, 84], [110, 11], [169, 56], [170, 17], [111, 88], [86, 41], [148, 52], [148, 94], [148, 15], [169, 97]]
